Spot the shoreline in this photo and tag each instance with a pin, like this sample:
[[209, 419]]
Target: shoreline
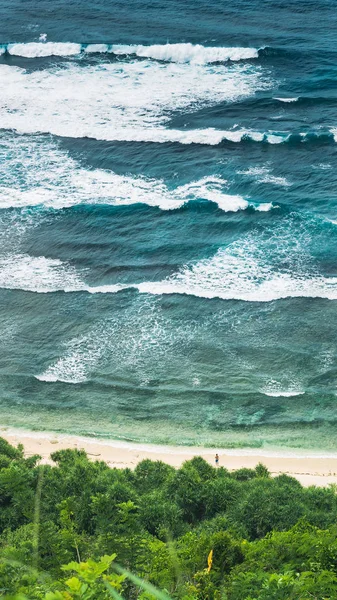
[[309, 467]]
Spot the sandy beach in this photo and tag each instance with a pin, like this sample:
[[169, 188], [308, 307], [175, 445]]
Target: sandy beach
[[310, 468]]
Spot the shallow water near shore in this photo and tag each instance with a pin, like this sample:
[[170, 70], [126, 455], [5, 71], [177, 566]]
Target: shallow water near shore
[[168, 221]]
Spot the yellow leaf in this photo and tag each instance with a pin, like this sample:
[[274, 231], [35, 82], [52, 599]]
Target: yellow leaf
[[210, 561]]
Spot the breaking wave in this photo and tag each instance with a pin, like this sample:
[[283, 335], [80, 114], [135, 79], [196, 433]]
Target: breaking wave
[[179, 53], [182, 53], [121, 101], [233, 275], [35, 172], [134, 102], [242, 271]]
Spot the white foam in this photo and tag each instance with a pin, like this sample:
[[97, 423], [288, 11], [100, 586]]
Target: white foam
[[276, 389], [282, 181], [287, 100], [34, 171], [96, 48], [252, 269], [37, 274], [227, 202], [277, 137], [230, 275], [322, 166], [187, 53], [208, 136], [264, 207], [212, 189], [122, 101], [263, 175], [217, 278], [68, 369], [133, 345], [43, 49], [81, 356], [284, 394]]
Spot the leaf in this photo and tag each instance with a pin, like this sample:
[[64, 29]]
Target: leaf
[[57, 595], [74, 584]]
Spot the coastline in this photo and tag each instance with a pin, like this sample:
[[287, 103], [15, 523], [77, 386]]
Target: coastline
[[309, 467]]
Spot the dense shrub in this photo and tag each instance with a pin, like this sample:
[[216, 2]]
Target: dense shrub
[[199, 533]]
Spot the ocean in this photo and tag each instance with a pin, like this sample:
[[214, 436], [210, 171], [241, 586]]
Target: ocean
[[168, 220]]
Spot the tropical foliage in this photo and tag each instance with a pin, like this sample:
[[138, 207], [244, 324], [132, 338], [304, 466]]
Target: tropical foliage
[[80, 530]]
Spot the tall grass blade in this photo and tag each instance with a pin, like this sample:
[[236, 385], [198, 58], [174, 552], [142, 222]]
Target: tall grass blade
[[113, 593], [145, 585]]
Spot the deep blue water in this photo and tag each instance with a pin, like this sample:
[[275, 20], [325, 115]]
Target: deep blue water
[[168, 220]]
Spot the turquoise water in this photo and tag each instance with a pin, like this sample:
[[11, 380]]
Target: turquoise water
[[168, 220]]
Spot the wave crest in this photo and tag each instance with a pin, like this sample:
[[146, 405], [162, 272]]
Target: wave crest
[[178, 53], [42, 49], [187, 53], [63, 182], [242, 271]]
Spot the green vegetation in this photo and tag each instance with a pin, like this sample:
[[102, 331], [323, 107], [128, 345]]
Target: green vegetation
[[82, 531]]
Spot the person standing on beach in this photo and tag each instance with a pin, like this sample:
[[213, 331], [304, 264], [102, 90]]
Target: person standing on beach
[[217, 460]]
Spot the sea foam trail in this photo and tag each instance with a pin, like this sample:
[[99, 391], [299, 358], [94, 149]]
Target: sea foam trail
[[124, 101], [179, 53], [35, 172], [81, 357], [152, 339], [263, 175]]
